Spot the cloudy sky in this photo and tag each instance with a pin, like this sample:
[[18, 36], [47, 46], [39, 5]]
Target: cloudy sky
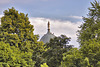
[[65, 16]]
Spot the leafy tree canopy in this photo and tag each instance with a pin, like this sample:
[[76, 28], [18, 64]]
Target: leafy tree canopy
[[55, 48], [91, 26], [44, 65], [11, 56], [16, 30], [87, 56]]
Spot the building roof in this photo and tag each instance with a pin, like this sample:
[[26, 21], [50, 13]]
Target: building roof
[[46, 38]]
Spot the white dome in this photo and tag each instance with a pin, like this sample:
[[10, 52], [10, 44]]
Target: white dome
[[46, 38]]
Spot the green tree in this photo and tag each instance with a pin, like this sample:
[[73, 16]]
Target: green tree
[[87, 56], [91, 26], [11, 56], [55, 48], [86, 63], [16, 30], [91, 50], [89, 37], [72, 58]]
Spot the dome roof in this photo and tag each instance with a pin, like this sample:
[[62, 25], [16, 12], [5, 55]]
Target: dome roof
[[46, 38]]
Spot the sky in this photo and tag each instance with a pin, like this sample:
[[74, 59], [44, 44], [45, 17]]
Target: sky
[[65, 16]]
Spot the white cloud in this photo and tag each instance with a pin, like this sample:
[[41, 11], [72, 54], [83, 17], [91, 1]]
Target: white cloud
[[57, 27], [76, 17], [0, 18]]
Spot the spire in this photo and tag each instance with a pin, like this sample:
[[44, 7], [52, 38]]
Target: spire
[[48, 26]]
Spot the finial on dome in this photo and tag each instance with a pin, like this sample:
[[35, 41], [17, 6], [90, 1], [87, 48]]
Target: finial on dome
[[48, 26]]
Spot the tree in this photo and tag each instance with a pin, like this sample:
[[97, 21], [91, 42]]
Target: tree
[[11, 56], [91, 26], [87, 56], [16, 30], [91, 50], [55, 48], [72, 58]]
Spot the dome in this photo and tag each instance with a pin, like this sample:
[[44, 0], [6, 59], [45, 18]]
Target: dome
[[46, 38]]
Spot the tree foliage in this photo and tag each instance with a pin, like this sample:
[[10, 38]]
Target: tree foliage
[[73, 58], [11, 56], [87, 56], [55, 48], [92, 51], [91, 26], [44, 65], [19, 46], [16, 30]]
